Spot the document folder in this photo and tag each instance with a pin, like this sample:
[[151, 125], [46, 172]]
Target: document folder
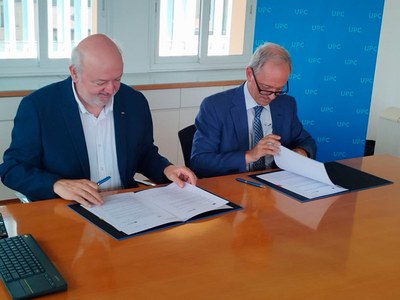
[[119, 235], [344, 176], [153, 209]]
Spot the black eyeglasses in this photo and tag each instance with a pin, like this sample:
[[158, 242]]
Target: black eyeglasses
[[268, 92]]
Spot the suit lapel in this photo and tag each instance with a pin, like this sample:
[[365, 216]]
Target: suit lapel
[[73, 124], [120, 129], [239, 118], [276, 116]]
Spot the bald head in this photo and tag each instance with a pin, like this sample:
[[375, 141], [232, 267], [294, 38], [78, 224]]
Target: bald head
[[96, 49]]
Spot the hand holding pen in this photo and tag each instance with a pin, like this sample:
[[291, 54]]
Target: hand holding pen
[[82, 191]]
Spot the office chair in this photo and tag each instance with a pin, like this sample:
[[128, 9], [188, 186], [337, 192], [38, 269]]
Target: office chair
[[22, 197], [186, 138]]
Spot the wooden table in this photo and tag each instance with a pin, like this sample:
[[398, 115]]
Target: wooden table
[[343, 247]]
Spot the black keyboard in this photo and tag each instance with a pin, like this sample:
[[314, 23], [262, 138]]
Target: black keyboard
[[25, 269]]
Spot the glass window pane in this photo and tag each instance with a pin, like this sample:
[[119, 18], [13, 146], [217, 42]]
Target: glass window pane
[[69, 22], [179, 27], [226, 28], [18, 29]]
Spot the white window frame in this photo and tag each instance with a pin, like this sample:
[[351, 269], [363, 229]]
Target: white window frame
[[43, 65], [201, 61]]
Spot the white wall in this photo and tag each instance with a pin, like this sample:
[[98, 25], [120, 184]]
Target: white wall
[[386, 90], [8, 108]]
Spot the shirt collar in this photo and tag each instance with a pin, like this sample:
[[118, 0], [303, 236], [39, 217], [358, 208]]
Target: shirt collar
[[250, 102]]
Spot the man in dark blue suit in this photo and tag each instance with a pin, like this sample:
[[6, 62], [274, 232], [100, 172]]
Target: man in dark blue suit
[[69, 135], [228, 122]]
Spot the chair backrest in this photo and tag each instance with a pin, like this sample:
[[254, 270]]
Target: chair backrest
[[186, 138], [22, 197]]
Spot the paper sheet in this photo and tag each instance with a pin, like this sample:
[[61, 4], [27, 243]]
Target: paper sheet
[[135, 212], [301, 175]]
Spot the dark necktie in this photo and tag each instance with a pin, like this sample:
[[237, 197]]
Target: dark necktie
[[258, 135]]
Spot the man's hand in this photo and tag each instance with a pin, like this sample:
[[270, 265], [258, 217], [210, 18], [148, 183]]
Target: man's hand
[[82, 191], [268, 145], [180, 175], [300, 151]]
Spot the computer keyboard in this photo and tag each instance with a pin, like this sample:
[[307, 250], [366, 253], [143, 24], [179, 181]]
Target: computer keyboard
[[3, 229], [25, 269]]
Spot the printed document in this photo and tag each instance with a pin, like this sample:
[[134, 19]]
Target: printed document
[[301, 175], [134, 212]]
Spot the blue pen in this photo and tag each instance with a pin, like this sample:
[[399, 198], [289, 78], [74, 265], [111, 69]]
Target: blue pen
[[103, 180], [251, 183]]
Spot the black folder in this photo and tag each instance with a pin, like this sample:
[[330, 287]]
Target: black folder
[[119, 235], [341, 175]]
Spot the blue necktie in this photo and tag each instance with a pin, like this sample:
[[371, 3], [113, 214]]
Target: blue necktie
[[258, 135]]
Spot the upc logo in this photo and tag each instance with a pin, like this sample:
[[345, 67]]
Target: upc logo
[[281, 26], [264, 10], [370, 48], [323, 139], [337, 13], [295, 76], [314, 60], [327, 109], [318, 27], [353, 62], [297, 45], [374, 15], [330, 78], [362, 111], [366, 80], [308, 122], [301, 11], [339, 154], [347, 93], [334, 46], [358, 142], [353, 29], [343, 124], [311, 92]]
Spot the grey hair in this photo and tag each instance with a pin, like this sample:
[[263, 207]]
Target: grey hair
[[269, 52], [76, 59]]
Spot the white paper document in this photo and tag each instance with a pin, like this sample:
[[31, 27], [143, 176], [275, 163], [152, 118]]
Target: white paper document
[[301, 175], [134, 212]]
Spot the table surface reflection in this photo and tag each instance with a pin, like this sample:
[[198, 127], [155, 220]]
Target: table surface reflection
[[341, 247]]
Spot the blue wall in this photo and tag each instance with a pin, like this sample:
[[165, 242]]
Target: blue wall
[[333, 45]]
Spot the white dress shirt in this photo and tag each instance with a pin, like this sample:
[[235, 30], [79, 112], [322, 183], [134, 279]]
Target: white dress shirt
[[266, 122], [100, 143]]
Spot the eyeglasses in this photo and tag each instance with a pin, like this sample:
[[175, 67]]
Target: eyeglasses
[[268, 92]]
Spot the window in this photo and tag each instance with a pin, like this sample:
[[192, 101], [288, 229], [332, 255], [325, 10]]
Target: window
[[35, 32], [203, 32], [18, 29]]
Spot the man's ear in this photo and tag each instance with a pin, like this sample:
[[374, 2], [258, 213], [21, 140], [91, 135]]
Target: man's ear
[[74, 73], [249, 75]]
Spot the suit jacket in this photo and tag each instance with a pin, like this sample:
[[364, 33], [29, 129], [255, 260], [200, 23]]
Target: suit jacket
[[48, 141], [222, 135]]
